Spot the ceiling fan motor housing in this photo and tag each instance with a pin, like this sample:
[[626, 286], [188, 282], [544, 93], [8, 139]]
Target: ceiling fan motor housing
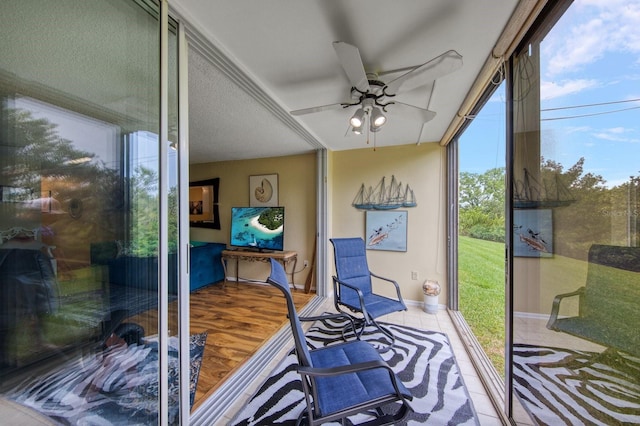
[[371, 97]]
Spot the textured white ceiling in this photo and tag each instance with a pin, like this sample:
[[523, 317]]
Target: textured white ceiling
[[284, 47], [252, 62], [227, 123]]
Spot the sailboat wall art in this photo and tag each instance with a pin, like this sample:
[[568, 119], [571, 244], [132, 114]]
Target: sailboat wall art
[[383, 196]]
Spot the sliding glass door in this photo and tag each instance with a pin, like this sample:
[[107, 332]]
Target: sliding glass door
[[481, 222], [575, 354], [570, 228], [84, 266]]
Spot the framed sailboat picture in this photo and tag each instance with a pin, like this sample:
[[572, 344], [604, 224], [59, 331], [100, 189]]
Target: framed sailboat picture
[[386, 230]]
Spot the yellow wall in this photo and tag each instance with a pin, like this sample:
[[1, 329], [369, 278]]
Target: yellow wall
[[423, 167], [297, 193]]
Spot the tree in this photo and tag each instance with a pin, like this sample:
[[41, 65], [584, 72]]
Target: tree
[[37, 158], [482, 204], [145, 218], [581, 223], [484, 191]]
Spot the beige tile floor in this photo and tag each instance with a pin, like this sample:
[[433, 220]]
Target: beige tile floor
[[414, 317]]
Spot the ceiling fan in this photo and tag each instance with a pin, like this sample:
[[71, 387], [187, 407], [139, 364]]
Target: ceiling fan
[[373, 96]]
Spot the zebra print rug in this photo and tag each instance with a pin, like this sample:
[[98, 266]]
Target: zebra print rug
[[118, 386], [562, 386], [422, 359]]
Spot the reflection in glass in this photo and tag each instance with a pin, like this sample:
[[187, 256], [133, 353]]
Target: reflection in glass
[[576, 349], [79, 229]]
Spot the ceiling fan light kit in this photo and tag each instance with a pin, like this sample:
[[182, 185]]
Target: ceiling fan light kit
[[377, 117], [357, 120], [371, 94]]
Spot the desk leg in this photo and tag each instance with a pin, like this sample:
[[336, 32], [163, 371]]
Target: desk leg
[[293, 271], [224, 268], [237, 271]]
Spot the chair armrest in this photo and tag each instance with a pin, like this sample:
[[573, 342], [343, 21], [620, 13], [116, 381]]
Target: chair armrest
[[344, 369], [323, 316], [395, 283], [363, 308], [555, 308]]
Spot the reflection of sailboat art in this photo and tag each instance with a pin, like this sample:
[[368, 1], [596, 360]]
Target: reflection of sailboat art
[[384, 197], [533, 240], [533, 232], [529, 193]]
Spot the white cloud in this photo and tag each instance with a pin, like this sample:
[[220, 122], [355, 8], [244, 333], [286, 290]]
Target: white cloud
[[608, 26], [552, 90], [581, 47], [616, 182], [617, 134], [577, 129], [608, 137]]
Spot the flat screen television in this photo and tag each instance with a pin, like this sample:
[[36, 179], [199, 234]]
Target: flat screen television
[[257, 228]]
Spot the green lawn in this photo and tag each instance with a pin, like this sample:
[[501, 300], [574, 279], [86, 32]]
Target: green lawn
[[481, 278]]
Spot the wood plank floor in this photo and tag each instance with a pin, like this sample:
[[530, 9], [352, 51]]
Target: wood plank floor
[[239, 319]]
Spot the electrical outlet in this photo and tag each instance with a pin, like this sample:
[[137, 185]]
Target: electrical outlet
[[306, 263], [414, 275]]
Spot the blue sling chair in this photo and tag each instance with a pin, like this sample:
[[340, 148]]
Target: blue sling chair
[[352, 286], [345, 378]]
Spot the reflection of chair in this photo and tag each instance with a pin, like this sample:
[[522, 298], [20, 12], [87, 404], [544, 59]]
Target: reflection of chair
[[352, 285], [342, 379], [608, 311]]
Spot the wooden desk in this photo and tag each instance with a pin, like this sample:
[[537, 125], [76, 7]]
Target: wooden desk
[[284, 257]]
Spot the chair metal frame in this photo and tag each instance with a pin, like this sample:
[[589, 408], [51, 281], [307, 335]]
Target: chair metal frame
[[326, 373], [345, 285]]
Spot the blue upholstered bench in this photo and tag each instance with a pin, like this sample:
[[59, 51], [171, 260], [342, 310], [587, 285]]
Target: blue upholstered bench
[[206, 264], [141, 272]]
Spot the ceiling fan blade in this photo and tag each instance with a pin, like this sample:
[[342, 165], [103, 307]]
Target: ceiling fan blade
[[349, 57], [411, 112], [429, 71], [316, 109]]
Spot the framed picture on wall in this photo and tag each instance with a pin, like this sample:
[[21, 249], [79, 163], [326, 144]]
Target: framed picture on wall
[[203, 204], [532, 233], [263, 190], [386, 230]]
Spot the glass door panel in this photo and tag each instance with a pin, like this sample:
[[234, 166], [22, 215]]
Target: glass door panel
[[576, 254], [79, 201], [481, 223]]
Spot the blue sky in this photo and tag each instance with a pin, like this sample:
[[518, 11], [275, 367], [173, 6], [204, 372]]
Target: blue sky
[[591, 57]]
